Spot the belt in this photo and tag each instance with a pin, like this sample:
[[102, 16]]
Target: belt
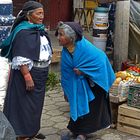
[[40, 64]]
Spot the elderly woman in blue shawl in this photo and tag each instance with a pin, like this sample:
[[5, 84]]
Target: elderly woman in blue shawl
[[86, 77], [29, 49]]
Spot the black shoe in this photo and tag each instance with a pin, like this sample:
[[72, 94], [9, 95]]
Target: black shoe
[[40, 136]]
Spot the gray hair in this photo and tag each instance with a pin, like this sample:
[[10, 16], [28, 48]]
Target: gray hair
[[30, 12], [69, 32]]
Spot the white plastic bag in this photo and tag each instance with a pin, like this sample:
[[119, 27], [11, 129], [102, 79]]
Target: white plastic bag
[[6, 130], [123, 89], [4, 76]]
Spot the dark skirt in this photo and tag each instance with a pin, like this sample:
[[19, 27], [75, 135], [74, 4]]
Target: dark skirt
[[98, 118], [23, 108]]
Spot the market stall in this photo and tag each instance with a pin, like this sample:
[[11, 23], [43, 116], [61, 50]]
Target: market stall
[[126, 89]]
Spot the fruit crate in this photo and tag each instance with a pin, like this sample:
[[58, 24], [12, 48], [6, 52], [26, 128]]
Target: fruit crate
[[133, 99], [128, 119], [114, 90]]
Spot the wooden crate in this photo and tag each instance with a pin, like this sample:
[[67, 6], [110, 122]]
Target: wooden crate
[[134, 96], [128, 119]]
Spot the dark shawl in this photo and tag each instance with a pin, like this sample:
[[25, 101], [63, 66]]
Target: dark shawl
[[27, 44]]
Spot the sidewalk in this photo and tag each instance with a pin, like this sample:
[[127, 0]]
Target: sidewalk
[[55, 118]]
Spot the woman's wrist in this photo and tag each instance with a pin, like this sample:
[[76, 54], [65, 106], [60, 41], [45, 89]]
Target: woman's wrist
[[27, 77]]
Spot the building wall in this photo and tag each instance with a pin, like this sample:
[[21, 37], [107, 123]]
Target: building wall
[[56, 10], [17, 6]]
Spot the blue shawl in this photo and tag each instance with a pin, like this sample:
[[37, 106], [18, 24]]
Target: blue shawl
[[6, 45], [95, 65]]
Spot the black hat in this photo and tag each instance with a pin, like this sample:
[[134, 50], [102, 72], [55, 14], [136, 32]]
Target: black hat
[[76, 27], [31, 5]]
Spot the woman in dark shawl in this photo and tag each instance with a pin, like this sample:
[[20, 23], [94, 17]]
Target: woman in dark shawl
[[86, 77], [29, 49]]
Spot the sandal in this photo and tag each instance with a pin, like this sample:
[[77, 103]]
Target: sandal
[[81, 137]]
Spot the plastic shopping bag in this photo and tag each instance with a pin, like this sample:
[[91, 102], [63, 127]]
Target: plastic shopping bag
[[4, 76], [6, 130]]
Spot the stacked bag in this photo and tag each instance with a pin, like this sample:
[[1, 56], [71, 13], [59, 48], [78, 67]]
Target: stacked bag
[[4, 75], [6, 21]]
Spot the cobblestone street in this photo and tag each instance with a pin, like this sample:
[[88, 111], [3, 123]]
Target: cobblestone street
[[56, 115]]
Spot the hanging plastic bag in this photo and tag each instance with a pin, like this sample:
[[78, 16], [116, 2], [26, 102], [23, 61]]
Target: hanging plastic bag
[[6, 130]]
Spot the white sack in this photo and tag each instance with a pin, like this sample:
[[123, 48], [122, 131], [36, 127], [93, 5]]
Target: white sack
[[4, 75]]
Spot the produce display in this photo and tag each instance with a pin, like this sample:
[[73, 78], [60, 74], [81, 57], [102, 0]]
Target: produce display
[[125, 79], [132, 74]]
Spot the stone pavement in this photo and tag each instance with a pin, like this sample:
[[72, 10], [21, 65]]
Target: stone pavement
[[55, 118]]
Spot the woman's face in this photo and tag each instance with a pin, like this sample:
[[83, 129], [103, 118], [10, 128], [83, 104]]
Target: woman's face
[[36, 16], [63, 39]]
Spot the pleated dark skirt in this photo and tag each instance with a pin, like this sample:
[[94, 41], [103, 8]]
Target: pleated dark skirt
[[98, 118], [23, 108]]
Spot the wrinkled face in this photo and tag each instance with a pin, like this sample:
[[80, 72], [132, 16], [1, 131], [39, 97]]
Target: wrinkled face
[[36, 16], [63, 39]]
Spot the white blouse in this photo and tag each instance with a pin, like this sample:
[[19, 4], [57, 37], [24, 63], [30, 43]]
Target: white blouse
[[45, 55]]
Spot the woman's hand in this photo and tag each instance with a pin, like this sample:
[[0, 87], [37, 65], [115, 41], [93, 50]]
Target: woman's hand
[[27, 77], [29, 82], [78, 72]]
